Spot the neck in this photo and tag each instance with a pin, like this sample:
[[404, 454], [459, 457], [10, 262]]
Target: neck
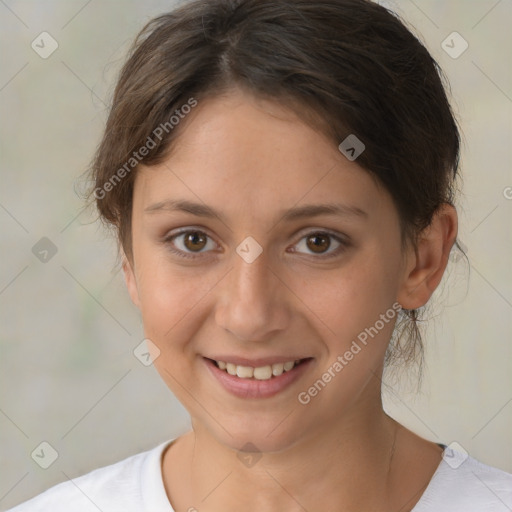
[[331, 469]]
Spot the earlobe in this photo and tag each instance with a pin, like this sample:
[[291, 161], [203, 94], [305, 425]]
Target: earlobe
[[428, 260], [131, 282]]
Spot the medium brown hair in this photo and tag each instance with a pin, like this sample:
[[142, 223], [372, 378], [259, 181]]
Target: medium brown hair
[[345, 66]]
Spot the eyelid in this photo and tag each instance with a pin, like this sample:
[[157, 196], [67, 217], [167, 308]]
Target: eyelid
[[186, 229], [312, 230]]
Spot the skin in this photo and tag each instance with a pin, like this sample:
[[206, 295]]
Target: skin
[[251, 160]]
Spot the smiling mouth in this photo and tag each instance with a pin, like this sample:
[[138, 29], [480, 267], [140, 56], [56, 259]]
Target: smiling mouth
[[266, 372]]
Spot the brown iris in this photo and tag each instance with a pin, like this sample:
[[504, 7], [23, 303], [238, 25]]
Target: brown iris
[[195, 240], [318, 242]]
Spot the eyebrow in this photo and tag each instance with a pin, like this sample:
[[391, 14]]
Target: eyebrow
[[298, 212]]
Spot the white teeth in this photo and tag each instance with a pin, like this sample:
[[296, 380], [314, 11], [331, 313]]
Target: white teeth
[[244, 372], [260, 373], [277, 369], [263, 373]]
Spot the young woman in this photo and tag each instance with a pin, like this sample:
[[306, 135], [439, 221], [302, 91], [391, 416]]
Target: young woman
[[281, 177]]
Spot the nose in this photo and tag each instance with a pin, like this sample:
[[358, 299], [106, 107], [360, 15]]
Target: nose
[[254, 302]]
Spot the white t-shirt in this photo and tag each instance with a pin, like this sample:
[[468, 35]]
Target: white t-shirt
[[135, 484]]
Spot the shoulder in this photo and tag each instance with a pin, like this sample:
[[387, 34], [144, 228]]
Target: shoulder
[[463, 484], [113, 488]]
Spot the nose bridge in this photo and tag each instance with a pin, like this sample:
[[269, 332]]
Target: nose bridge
[[251, 276], [253, 303], [250, 283]]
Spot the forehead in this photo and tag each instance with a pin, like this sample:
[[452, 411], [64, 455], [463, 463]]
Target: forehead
[[244, 153]]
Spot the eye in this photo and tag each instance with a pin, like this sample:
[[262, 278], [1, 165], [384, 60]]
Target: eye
[[319, 242], [191, 243], [188, 242]]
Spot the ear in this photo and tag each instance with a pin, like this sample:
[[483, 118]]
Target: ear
[[426, 263], [131, 282]]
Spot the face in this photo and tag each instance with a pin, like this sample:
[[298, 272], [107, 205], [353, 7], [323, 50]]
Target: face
[[237, 259]]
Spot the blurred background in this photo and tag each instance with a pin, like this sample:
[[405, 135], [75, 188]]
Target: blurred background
[[69, 376]]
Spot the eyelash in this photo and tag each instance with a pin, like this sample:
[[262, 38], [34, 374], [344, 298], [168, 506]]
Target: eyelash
[[343, 244]]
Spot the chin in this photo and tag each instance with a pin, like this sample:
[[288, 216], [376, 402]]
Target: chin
[[258, 437]]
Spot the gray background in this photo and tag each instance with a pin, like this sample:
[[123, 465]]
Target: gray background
[[68, 330]]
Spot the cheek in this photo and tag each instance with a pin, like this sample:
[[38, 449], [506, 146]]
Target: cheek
[[350, 303], [169, 298], [172, 307], [356, 306]]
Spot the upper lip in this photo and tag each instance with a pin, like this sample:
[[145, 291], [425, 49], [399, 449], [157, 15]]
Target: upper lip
[[256, 363]]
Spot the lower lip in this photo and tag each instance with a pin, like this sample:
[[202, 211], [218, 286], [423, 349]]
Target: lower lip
[[253, 388]]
